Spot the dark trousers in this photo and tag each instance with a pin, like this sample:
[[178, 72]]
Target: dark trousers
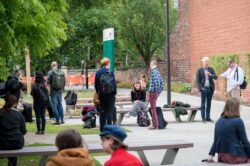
[[49, 108], [40, 117], [12, 161], [108, 113], [206, 98]]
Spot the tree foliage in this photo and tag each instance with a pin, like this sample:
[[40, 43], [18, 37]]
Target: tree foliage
[[34, 24], [142, 25]]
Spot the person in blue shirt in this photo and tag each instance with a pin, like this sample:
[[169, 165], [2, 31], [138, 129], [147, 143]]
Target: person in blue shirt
[[230, 139], [156, 85]]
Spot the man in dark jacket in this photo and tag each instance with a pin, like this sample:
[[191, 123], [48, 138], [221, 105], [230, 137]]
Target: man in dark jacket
[[107, 100], [204, 80], [14, 85]]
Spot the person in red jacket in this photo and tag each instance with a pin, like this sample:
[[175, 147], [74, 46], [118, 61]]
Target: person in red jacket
[[112, 138]]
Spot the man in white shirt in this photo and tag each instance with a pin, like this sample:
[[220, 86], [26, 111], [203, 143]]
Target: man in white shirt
[[235, 77]]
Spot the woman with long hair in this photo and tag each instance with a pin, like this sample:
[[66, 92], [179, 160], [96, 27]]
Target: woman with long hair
[[12, 127], [230, 139]]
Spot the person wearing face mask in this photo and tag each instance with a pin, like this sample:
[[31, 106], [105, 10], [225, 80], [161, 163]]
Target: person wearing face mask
[[204, 80], [235, 77], [105, 87]]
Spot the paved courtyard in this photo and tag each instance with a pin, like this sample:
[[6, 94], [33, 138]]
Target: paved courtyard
[[197, 132]]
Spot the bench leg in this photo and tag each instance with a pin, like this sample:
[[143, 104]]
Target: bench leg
[[169, 156], [43, 160], [191, 115], [143, 158], [177, 119], [120, 118]]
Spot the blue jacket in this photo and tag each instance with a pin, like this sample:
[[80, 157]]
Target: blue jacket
[[230, 137], [98, 74]]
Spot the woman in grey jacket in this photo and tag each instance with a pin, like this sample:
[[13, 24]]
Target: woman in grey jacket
[[230, 139]]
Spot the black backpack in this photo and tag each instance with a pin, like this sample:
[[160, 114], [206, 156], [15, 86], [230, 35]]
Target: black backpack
[[244, 84], [90, 122], [162, 122], [27, 112], [57, 79], [71, 98], [143, 119], [43, 95], [107, 83]]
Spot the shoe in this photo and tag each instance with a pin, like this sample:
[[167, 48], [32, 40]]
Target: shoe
[[209, 120], [56, 123], [42, 132], [62, 122], [203, 120], [38, 133], [153, 128], [127, 115]]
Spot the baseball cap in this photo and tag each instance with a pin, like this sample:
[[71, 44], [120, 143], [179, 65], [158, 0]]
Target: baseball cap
[[114, 131], [230, 61]]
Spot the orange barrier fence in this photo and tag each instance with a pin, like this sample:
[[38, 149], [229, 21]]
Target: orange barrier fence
[[72, 80]]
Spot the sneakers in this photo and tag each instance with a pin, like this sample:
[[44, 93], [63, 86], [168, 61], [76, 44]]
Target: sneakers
[[153, 128], [209, 120], [62, 122], [56, 123], [127, 115]]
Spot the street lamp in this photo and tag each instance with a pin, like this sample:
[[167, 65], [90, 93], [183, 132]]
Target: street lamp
[[168, 55]]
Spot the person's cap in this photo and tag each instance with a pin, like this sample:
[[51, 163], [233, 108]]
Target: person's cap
[[114, 131], [230, 61]]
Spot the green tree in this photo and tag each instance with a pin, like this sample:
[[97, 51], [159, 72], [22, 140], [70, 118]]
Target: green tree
[[34, 24], [142, 26]]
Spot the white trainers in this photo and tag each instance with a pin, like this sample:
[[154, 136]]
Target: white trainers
[[127, 115]]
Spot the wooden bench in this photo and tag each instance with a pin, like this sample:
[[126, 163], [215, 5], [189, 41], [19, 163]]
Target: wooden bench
[[191, 113], [171, 147]]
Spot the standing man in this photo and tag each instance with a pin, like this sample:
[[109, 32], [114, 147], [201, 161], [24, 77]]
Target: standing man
[[235, 77], [56, 80], [204, 80], [105, 86], [14, 85], [156, 85]]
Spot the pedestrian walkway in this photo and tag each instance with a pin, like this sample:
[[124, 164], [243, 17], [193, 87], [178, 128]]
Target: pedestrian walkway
[[197, 132]]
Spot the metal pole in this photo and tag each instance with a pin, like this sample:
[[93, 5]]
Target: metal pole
[[168, 55]]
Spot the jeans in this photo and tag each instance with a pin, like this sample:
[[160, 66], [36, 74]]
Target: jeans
[[152, 100], [40, 117], [137, 107], [107, 113], [56, 100], [206, 98]]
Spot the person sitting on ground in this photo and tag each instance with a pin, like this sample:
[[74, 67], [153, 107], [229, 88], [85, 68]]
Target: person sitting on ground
[[112, 137], [230, 139], [12, 127], [138, 97], [41, 99], [71, 151]]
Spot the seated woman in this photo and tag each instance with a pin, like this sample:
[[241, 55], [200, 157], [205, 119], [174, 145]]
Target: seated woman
[[230, 139], [12, 128], [71, 151], [138, 97], [112, 137]]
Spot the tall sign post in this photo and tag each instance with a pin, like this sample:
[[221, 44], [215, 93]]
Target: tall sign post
[[168, 54], [108, 46]]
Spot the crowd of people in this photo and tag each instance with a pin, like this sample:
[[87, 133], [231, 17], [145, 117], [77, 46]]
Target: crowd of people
[[230, 139]]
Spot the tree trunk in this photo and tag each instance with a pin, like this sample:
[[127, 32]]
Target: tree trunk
[[27, 61]]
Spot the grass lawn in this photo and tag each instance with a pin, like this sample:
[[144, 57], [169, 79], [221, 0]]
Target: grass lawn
[[34, 160], [53, 129]]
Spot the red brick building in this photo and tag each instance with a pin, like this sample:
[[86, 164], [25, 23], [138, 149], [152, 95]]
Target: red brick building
[[210, 28]]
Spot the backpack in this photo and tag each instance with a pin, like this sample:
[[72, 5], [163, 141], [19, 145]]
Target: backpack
[[143, 119], [57, 79], [162, 122], [90, 122], [27, 112], [2, 89], [107, 83], [43, 95], [71, 98], [244, 84]]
